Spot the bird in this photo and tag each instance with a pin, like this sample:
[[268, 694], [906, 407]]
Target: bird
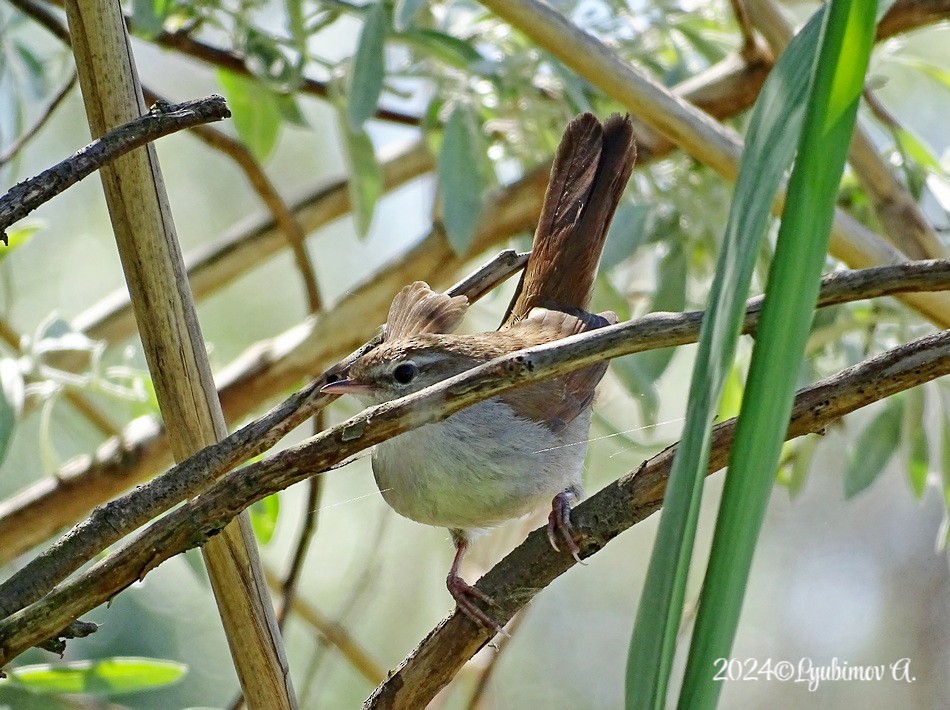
[[504, 457]]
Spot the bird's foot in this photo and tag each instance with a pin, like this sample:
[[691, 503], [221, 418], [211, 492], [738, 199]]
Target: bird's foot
[[466, 596], [559, 525]]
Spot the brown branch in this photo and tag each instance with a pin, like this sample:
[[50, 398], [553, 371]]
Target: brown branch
[[526, 570], [906, 15], [372, 426], [515, 580], [161, 120], [905, 224], [113, 521], [696, 133], [171, 339]]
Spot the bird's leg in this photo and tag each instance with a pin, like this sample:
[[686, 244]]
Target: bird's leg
[[464, 594], [559, 523]]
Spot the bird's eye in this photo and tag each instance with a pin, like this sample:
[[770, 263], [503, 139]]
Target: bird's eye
[[404, 373]]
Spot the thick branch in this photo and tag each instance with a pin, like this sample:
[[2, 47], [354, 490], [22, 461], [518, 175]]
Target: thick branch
[[533, 565], [162, 119], [238, 489], [526, 570]]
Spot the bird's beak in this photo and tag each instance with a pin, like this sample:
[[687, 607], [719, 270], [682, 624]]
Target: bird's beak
[[347, 387]]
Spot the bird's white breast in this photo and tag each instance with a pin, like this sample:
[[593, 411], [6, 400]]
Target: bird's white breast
[[479, 467]]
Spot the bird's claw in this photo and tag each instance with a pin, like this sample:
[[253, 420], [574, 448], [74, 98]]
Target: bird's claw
[[465, 596], [559, 525]]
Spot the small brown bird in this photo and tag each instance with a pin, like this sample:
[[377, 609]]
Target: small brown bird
[[504, 457]]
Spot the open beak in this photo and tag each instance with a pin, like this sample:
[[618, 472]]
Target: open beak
[[347, 387]]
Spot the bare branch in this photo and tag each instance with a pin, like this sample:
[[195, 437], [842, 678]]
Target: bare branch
[[234, 491], [533, 565], [526, 570], [161, 120]]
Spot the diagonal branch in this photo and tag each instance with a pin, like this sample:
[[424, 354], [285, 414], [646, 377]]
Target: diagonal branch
[[696, 133], [533, 565], [530, 567], [162, 119], [327, 450]]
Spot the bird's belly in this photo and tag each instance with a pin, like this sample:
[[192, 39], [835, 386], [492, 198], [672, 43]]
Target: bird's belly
[[479, 467]]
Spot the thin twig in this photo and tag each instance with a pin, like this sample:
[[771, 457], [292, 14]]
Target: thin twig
[[161, 120], [515, 580], [123, 515], [40, 121], [532, 565]]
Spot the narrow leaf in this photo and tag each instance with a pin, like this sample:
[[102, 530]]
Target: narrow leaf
[[460, 180], [255, 111], [916, 445], [846, 39], [365, 184], [108, 676], [264, 514], [770, 145], [874, 447], [369, 67]]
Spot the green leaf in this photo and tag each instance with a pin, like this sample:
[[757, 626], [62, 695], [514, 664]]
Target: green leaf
[[874, 447], [105, 677], [365, 185], [910, 146], [19, 236], [771, 141], [255, 111], [148, 17], [460, 180], [12, 393], [36, 75], [800, 464], [368, 68], [845, 40], [290, 110], [916, 447], [450, 50], [264, 514], [405, 13]]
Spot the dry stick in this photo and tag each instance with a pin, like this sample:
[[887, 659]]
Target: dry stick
[[696, 133], [283, 216], [161, 120], [334, 634], [515, 580], [656, 330], [171, 338], [263, 371], [111, 522], [37, 512], [904, 222], [532, 565]]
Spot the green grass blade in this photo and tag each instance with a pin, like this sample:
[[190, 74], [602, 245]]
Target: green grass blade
[[771, 142], [780, 343]]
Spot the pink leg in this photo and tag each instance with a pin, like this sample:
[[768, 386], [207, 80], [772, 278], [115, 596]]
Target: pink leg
[[464, 594], [559, 523]]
